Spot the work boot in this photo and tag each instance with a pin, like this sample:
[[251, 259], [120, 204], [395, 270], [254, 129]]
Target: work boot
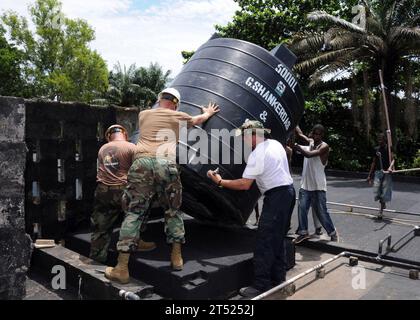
[[120, 272], [249, 292], [176, 258], [144, 246]]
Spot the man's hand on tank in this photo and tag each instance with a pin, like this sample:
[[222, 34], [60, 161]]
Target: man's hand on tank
[[211, 109]]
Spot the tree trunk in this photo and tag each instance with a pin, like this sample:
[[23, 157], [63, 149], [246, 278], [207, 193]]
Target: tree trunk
[[355, 109], [410, 112], [367, 105], [388, 75], [381, 113]]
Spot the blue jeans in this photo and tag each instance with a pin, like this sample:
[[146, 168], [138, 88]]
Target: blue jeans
[[270, 251], [318, 200], [383, 186]]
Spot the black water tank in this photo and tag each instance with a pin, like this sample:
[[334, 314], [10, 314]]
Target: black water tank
[[247, 82]]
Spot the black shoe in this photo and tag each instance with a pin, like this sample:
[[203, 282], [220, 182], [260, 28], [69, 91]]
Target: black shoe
[[249, 292], [301, 237], [318, 231]]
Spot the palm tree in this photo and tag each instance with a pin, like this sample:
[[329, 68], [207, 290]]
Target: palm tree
[[153, 80], [390, 41], [136, 86], [122, 89]]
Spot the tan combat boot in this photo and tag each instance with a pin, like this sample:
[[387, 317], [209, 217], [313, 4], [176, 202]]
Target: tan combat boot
[[145, 246], [176, 258], [120, 272]]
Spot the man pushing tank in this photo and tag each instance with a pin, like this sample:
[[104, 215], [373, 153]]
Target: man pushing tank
[[154, 176], [114, 160], [267, 165]]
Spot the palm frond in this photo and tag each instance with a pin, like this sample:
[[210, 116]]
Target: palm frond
[[373, 26], [377, 11], [100, 102], [376, 43], [404, 12], [399, 36], [343, 41], [320, 60], [113, 95], [114, 92], [307, 42], [409, 33], [415, 20], [133, 88], [323, 16], [335, 85], [341, 63], [389, 8], [413, 52]]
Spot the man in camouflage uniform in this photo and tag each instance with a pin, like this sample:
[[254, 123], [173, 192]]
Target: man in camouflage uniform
[[154, 177], [114, 160]]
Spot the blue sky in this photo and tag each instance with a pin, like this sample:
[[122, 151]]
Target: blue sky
[[144, 4], [144, 31]]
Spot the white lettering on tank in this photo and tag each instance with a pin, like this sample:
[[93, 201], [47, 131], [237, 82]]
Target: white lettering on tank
[[249, 81], [287, 76], [270, 98]]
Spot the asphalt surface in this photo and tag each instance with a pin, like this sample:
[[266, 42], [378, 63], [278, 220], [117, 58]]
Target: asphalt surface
[[366, 281], [360, 228], [357, 228]]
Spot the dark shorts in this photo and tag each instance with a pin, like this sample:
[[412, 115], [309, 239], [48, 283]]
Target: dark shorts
[[383, 186]]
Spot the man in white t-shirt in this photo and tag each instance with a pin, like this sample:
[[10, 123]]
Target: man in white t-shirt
[[268, 166], [313, 187]]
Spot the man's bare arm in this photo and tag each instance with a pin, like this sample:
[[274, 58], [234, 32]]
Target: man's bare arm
[[237, 184], [371, 171], [301, 136], [391, 166], [322, 151], [208, 112]]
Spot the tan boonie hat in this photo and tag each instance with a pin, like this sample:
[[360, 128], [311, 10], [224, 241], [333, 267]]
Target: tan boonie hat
[[250, 124]]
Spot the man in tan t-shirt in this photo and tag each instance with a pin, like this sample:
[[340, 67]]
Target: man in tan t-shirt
[[154, 176], [114, 160]]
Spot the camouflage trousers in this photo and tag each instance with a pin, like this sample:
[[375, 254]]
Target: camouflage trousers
[[107, 209], [151, 180]]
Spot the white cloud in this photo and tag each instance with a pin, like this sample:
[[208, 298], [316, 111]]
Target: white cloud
[[19, 6], [156, 34]]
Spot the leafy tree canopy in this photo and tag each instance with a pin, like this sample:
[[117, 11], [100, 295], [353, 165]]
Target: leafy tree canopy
[[134, 86], [58, 62], [387, 39], [11, 82], [270, 22]]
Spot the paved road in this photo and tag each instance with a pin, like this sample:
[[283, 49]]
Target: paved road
[[368, 282], [359, 228]]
